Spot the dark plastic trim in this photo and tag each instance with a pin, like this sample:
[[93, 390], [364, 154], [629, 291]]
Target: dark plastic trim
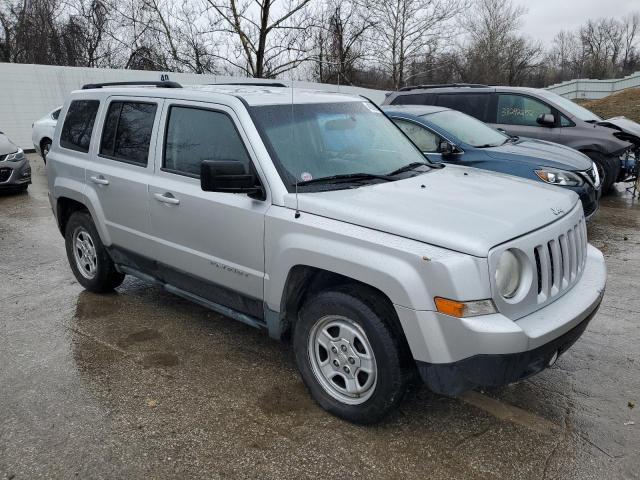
[[150, 83]]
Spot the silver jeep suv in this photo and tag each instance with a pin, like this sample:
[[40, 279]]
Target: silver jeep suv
[[312, 216]]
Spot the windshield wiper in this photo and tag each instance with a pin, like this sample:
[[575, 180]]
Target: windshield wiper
[[512, 139], [487, 145], [408, 167], [346, 177]]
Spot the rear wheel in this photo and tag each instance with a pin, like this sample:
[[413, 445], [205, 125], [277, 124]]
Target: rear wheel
[[45, 146], [89, 259], [350, 358]]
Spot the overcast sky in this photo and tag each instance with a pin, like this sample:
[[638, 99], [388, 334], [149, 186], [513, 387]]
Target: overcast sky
[[545, 18]]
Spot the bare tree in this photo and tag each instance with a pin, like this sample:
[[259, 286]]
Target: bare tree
[[495, 52], [405, 29], [339, 40], [270, 35]]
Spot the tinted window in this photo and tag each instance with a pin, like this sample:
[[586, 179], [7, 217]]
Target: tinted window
[[474, 104], [194, 135], [413, 99], [55, 114], [127, 131], [425, 140], [78, 125], [520, 110]]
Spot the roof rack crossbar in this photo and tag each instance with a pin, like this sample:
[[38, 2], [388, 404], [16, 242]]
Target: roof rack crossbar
[[444, 85], [252, 84], [150, 83]]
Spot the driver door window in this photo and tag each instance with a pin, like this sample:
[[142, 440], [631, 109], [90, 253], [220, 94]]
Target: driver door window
[[425, 139], [520, 110]]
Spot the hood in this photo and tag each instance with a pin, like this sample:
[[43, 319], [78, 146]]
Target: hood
[[540, 153], [628, 129], [459, 208], [5, 145]]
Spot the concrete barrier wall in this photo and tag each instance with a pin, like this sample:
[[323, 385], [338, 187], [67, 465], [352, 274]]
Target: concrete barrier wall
[[28, 92], [594, 89]]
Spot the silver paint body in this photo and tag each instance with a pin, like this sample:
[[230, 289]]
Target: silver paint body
[[411, 243]]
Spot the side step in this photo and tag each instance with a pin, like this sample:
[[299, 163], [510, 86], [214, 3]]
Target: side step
[[216, 307]]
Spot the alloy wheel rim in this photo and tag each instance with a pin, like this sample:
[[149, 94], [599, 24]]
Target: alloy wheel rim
[[342, 359], [84, 253]]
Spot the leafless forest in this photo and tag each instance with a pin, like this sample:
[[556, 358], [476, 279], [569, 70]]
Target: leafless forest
[[371, 43]]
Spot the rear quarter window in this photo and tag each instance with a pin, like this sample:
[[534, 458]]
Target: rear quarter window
[[474, 104], [78, 125]]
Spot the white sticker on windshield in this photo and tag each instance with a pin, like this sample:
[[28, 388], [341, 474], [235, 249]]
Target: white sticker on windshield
[[306, 176]]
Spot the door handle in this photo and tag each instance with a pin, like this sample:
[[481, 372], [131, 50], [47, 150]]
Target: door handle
[[166, 198], [100, 180]]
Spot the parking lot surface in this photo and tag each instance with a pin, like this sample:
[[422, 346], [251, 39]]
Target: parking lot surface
[[142, 384]]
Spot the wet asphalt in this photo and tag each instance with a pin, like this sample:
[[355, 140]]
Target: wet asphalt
[[142, 384]]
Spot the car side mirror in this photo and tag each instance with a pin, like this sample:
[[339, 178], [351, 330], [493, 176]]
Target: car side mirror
[[228, 176], [546, 120], [447, 149]]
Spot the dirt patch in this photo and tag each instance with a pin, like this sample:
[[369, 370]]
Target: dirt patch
[[625, 103]]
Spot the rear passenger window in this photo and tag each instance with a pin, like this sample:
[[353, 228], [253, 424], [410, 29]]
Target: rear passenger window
[[78, 125], [127, 132], [413, 99], [474, 104], [194, 135]]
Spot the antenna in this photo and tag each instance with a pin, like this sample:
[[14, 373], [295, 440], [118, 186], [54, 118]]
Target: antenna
[[293, 129]]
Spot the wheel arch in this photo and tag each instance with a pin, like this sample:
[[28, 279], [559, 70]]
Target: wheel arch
[[304, 280]]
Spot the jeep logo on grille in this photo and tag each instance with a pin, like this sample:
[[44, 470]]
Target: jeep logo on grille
[[557, 211]]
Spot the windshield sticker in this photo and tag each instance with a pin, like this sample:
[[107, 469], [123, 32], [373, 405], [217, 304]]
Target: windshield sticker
[[306, 176]]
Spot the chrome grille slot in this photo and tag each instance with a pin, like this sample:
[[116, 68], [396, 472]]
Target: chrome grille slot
[[560, 261]]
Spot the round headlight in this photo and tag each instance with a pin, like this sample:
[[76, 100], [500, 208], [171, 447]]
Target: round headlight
[[508, 274]]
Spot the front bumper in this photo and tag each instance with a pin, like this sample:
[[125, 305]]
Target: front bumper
[[589, 196], [14, 174], [457, 354]]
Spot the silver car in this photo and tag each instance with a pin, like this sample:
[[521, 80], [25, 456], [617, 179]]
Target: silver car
[[15, 171], [310, 215]]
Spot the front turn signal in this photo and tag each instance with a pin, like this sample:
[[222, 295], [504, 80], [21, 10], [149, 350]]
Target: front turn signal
[[458, 309]]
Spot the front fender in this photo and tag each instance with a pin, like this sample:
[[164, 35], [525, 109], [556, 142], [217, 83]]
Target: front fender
[[408, 272]]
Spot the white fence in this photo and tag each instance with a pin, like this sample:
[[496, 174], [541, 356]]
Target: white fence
[[28, 92], [594, 89]]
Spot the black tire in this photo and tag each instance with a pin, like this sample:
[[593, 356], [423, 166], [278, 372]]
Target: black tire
[[45, 146], [608, 168], [394, 365], [105, 277]]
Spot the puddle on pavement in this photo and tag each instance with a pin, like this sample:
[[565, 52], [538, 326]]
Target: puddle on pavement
[[160, 359]]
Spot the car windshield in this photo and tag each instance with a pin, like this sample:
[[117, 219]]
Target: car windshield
[[466, 128], [319, 140], [570, 107]]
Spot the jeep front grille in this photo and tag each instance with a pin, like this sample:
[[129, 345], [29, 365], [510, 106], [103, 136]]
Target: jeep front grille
[[559, 262]]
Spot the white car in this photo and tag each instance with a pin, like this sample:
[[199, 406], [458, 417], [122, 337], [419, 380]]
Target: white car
[[42, 132]]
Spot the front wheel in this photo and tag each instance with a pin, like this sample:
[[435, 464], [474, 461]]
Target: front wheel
[[350, 358], [608, 169], [89, 259]]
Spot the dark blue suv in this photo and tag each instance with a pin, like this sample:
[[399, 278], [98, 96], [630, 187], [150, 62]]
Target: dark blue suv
[[454, 137]]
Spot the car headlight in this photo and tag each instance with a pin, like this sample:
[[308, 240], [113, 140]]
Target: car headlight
[[15, 156], [560, 177], [508, 274]]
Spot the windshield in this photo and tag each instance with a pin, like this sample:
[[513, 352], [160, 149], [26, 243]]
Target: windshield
[[466, 129], [328, 139], [570, 107]]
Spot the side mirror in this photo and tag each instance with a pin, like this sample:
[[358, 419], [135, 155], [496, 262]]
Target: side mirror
[[546, 120], [447, 149], [229, 176]]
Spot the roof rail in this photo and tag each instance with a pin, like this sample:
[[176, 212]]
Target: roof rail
[[150, 83], [444, 85], [252, 84]]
